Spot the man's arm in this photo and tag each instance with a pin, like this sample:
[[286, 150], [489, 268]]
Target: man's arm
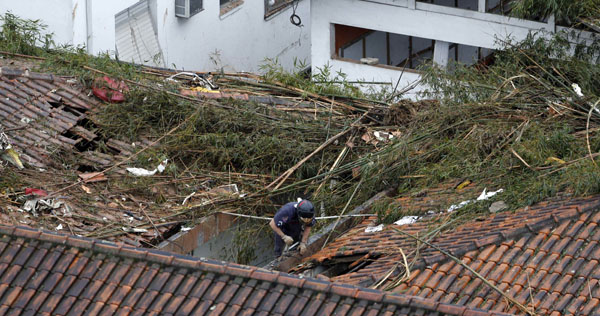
[[276, 229], [305, 234]]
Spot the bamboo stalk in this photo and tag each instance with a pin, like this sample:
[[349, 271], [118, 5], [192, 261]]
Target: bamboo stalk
[[342, 213], [587, 134], [281, 179], [479, 276]]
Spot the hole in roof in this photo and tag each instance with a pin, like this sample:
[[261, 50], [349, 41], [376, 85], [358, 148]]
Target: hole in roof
[[343, 265]]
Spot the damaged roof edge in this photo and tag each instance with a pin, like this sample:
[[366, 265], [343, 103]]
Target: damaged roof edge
[[317, 240]]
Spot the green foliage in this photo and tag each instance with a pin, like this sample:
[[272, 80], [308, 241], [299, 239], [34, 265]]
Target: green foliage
[[567, 12], [521, 107], [23, 36], [324, 82], [234, 138], [532, 65]]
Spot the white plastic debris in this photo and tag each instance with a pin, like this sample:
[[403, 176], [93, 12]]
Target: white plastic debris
[[162, 166], [577, 89], [141, 172], [370, 60], [483, 196], [135, 230], [185, 229], [458, 206], [406, 220], [383, 136], [35, 206], [486, 195], [25, 120], [373, 229], [187, 198], [59, 227]]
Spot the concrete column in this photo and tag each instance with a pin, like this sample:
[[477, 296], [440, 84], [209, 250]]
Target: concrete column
[[412, 4], [89, 38], [332, 51], [482, 4], [79, 16], [552, 23], [440, 53]]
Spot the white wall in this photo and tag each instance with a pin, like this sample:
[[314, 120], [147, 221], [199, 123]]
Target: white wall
[[426, 21], [101, 36], [89, 23], [57, 14], [242, 39]]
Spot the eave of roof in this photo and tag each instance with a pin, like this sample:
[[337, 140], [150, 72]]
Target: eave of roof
[[45, 273]]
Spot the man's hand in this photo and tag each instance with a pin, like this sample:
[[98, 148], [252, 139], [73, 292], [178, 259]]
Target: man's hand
[[302, 248], [287, 240]]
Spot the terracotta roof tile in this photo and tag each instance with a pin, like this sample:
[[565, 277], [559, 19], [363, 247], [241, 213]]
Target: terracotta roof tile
[[590, 306], [82, 277], [549, 250]]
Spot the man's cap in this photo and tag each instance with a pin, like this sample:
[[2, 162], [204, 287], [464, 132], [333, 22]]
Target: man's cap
[[305, 209]]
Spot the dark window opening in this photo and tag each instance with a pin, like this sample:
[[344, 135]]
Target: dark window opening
[[195, 6], [501, 7], [469, 55], [383, 48], [472, 5]]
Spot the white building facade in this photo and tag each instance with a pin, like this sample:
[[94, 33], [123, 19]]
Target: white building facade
[[403, 34], [232, 35]]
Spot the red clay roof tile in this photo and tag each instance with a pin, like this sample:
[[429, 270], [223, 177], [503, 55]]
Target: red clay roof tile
[[559, 250], [107, 278]]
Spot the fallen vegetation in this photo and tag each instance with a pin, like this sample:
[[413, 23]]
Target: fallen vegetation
[[527, 124]]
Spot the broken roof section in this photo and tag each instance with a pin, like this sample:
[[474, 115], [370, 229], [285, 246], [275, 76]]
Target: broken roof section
[[544, 257], [42, 115], [38, 110], [45, 274]]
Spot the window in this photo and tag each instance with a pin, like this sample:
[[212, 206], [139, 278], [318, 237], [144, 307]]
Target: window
[[461, 4], [187, 8], [469, 55], [382, 48], [274, 6], [228, 5]]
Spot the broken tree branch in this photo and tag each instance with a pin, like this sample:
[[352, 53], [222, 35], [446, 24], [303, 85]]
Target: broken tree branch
[[53, 194], [281, 179], [587, 134], [342, 213]]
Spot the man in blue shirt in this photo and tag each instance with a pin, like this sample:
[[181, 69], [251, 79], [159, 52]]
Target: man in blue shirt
[[292, 223]]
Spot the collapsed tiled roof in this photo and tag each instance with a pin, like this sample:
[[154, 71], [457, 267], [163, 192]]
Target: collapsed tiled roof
[[545, 256], [38, 110], [44, 273], [43, 114]]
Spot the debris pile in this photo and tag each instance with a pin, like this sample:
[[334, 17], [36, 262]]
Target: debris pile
[[180, 146]]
